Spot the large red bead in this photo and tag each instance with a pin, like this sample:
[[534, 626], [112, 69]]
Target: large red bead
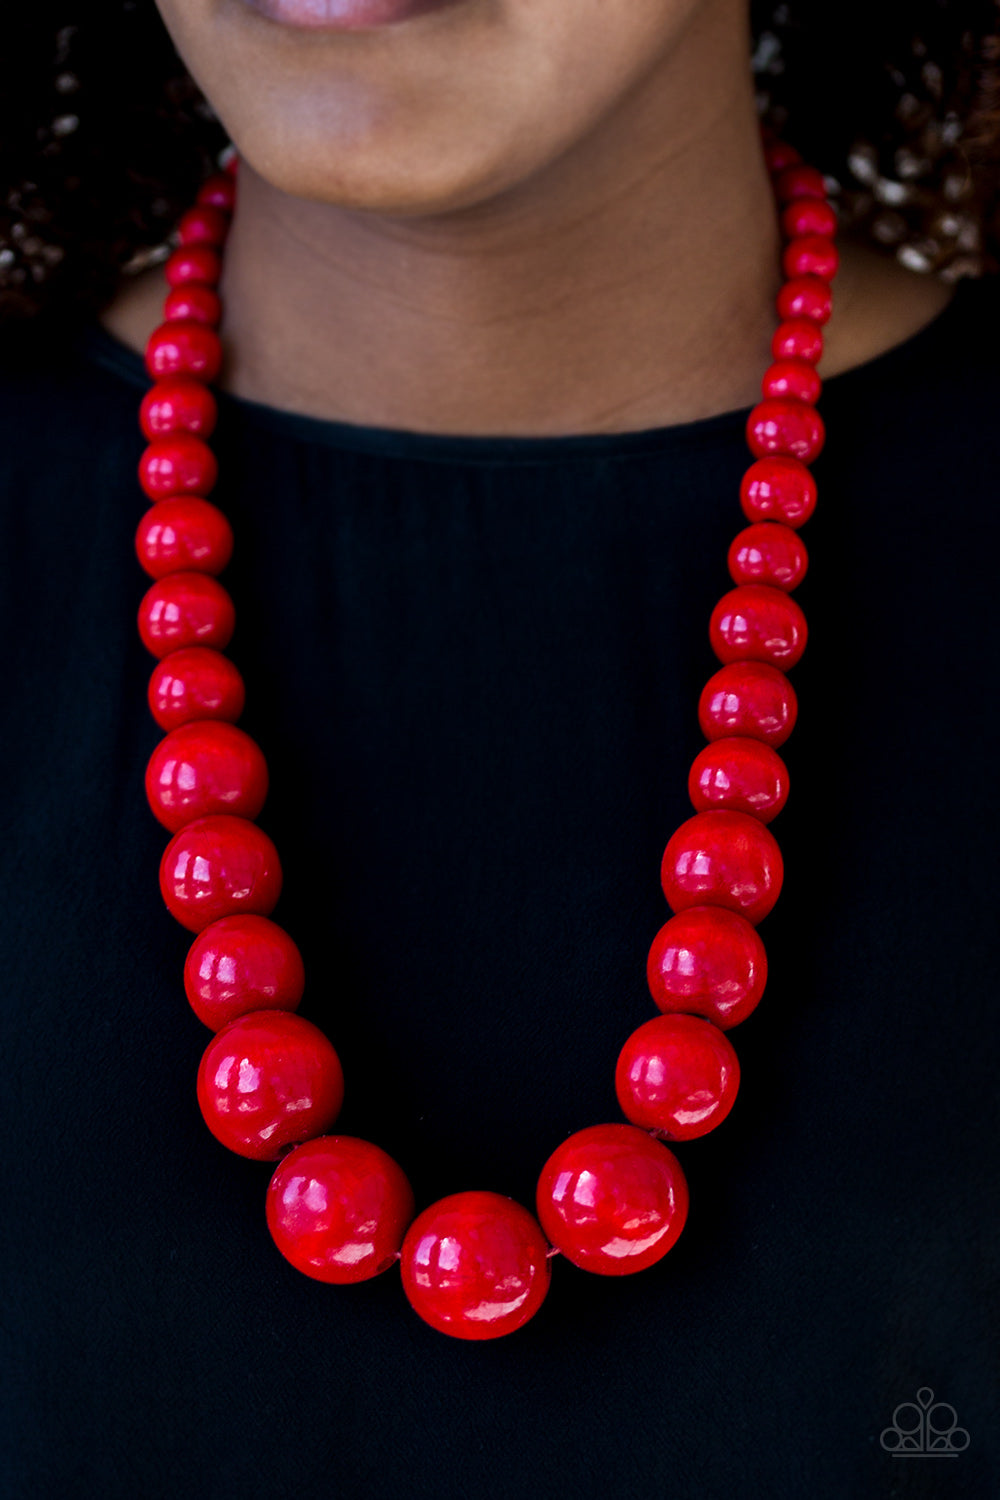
[[778, 489], [184, 348], [475, 1265], [710, 961], [805, 297], [177, 405], [766, 552], [239, 964], [269, 1080], [205, 224], [185, 609], [811, 255], [722, 859], [778, 155], [799, 181], [612, 1199], [756, 623], [791, 380], [338, 1209], [743, 775], [798, 338], [193, 263], [195, 683], [677, 1075], [792, 428], [808, 216], [219, 190], [183, 534], [202, 768], [748, 698], [195, 302], [218, 866], [179, 464]]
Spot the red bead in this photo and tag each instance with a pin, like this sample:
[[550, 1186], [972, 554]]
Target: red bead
[[723, 859], [269, 1080], [185, 609], [338, 1209], [178, 464], [790, 428], [193, 302], [677, 1075], [811, 255], [177, 405], [203, 225], [791, 379], [808, 216], [741, 774], [755, 623], [805, 297], [710, 961], [799, 338], [612, 1199], [475, 1265], [240, 964], [748, 698], [219, 191], [778, 489], [218, 866], [765, 553], [193, 263], [799, 181], [204, 768], [184, 348], [183, 534], [779, 155], [195, 683]]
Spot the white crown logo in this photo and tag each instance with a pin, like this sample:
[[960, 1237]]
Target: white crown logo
[[924, 1429]]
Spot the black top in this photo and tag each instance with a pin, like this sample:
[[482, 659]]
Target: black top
[[473, 665]]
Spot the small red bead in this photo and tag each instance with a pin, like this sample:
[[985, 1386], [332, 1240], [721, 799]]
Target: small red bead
[[205, 224], [779, 155], [202, 768], [194, 302], [805, 297], [756, 623], [789, 428], [710, 961], [778, 489], [765, 552], [808, 216], [218, 866], [183, 534], [799, 181], [811, 255], [193, 263], [799, 338], [475, 1265], [184, 348], [195, 683], [185, 609], [219, 191], [178, 464], [741, 774], [232, 163], [748, 698], [338, 1209], [269, 1080], [177, 405], [240, 964], [677, 1075], [612, 1199], [723, 859], [791, 379]]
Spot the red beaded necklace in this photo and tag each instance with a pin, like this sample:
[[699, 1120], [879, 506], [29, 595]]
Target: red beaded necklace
[[611, 1198]]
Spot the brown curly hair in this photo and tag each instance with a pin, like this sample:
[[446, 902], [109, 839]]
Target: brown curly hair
[[104, 136]]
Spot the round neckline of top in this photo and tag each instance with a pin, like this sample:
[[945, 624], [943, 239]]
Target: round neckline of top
[[391, 442]]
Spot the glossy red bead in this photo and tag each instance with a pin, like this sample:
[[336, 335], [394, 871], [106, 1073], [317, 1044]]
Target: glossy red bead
[[475, 1265], [612, 1199], [240, 964], [808, 216], [799, 181], [791, 380], [778, 155], [269, 1080], [193, 302], [805, 297], [219, 191], [205, 224], [677, 1075], [756, 623], [193, 263], [810, 255], [338, 1209], [177, 405], [218, 866], [195, 683], [767, 552], [741, 774], [179, 464], [778, 489], [723, 859], [184, 348], [748, 698], [709, 961], [202, 768], [185, 609], [185, 533], [789, 428], [798, 338]]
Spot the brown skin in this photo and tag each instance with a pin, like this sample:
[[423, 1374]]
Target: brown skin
[[510, 216]]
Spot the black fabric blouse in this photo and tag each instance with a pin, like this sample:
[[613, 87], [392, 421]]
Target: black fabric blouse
[[473, 665]]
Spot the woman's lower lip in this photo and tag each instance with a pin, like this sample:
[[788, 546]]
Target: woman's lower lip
[[345, 15]]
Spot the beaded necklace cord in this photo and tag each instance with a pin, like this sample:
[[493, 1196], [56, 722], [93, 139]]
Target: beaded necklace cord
[[611, 1198]]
